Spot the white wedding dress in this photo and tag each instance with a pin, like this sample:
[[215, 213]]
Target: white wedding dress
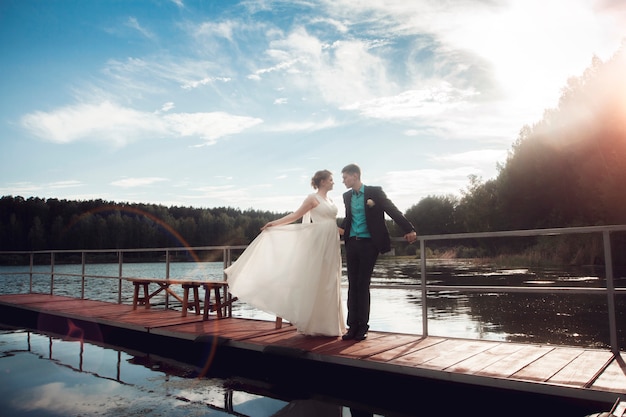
[[294, 271]]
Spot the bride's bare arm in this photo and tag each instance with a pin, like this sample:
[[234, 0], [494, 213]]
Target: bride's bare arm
[[309, 203]]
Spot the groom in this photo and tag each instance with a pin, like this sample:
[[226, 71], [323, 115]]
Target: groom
[[365, 235]]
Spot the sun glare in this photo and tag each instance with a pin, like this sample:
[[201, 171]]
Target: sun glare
[[533, 47]]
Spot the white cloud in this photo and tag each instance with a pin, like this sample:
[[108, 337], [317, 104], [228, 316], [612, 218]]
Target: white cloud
[[282, 66], [478, 157], [21, 188], [167, 106], [189, 85], [344, 72], [222, 29], [406, 188], [59, 398], [104, 121], [137, 182], [340, 26], [148, 75], [209, 126], [64, 184], [528, 48], [55, 189], [352, 73], [220, 193], [414, 103], [303, 126], [119, 126], [133, 23]]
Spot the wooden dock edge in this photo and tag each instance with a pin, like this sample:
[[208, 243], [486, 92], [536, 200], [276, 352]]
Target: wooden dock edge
[[435, 375]]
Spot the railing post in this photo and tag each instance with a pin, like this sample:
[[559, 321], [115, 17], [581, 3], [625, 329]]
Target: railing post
[[226, 259], [51, 273], [610, 290], [32, 261], [167, 276], [82, 277], [167, 264], [424, 289], [120, 260]]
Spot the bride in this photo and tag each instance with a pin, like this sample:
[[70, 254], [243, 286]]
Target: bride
[[293, 270]]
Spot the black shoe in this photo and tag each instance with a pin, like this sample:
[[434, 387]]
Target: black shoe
[[349, 335], [360, 336]]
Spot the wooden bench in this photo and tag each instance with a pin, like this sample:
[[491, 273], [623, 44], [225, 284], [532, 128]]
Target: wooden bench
[[222, 300]]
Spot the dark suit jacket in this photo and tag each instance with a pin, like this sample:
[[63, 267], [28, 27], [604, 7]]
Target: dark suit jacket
[[375, 217]]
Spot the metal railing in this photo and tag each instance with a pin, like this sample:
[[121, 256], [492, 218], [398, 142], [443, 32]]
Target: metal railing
[[609, 290], [119, 253]]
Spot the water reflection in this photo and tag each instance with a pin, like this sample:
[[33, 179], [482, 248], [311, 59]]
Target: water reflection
[[47, 376]]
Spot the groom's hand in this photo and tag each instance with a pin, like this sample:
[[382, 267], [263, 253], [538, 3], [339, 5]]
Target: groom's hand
[[411, 237]]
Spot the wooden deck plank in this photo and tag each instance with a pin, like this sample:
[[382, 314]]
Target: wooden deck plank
[[512, 363], [234, 329], [548, 365], [326, 347], [407, 349], [290, 339], [582, 369], [484, 359], [613, 378], [445, 354], [382, 344], [353, 349], [29, 297], [35, 299], [273, 337], [620, 409]]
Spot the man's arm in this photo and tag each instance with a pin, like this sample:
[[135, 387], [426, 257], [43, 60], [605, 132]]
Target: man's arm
[[410, 234]]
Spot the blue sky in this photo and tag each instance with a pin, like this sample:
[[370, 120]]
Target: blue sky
[[238, 103]]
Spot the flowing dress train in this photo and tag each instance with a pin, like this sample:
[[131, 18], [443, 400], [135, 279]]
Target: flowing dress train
[[294, 271]]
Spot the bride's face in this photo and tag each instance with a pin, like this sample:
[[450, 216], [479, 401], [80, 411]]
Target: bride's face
[[327, 183]]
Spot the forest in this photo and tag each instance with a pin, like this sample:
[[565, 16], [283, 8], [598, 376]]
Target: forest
[[568, 169]]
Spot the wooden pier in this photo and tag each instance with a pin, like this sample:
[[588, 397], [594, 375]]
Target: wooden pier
[[409, 365]]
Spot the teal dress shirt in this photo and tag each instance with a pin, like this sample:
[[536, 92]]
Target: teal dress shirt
[[359, 223]]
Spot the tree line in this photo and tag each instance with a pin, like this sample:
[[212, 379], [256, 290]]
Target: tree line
[[568, 169], [42, 224]]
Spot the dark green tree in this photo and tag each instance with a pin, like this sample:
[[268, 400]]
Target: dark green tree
[[434, 215]]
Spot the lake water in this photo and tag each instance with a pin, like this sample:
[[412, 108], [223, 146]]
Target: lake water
[[42, 375], [45, 376]]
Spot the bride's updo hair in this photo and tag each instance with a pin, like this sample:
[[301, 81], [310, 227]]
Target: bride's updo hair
[[319, 177]]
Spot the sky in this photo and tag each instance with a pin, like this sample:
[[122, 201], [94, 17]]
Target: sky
[[237, 103]]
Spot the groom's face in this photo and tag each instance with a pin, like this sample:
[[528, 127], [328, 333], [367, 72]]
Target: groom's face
[[349, 179]]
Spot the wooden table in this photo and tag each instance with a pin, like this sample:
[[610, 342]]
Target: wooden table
[[164, 285]]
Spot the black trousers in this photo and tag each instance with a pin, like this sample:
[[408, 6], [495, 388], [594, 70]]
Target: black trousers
[[361, 257]]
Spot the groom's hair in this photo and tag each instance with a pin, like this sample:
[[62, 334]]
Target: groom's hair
[[352, 169]]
